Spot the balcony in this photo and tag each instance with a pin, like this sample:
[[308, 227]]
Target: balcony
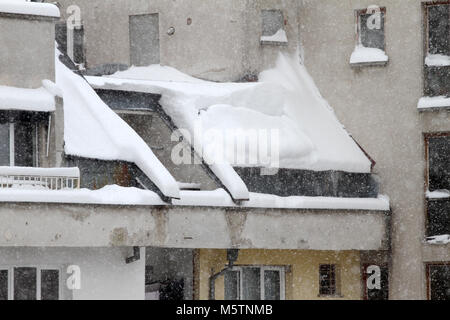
[[39, 178]]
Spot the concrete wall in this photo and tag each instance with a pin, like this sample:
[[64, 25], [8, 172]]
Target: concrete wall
[[190, 227], [302, 276], [27, 52], [104, 273], [378, 105], [222, 43]]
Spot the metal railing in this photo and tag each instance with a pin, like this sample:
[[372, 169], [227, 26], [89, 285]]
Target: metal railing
[[39, 178]]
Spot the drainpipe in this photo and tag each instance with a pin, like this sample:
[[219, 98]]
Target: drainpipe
[[232, 255]]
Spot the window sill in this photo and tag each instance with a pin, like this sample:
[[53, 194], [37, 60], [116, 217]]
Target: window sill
[[273, 43], [368, 64], [433, 103], [330, 296]]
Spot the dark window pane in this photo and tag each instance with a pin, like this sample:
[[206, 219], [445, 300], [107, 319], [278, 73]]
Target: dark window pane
[[24, 283], [3, 284], [438, 217], [439, 29], [78, 41], [272, 283], [383, 293], [23, 144], [327, 279], [371, 38], [232, 285], [439, 163], [49, 284], [61, 36], [251, 283], [439, 282], [272, 21], [4, 144]]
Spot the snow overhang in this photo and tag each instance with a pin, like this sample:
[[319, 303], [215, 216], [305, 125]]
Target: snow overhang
[[22, 7], [25, 99]]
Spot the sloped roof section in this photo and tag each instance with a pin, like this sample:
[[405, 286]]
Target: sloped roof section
[[93, 130], [29, 8], [285, 100]]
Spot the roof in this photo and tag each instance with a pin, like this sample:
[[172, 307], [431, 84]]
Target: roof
[[29, 8], [284, 102], [25, 99], [115, 195], [93, 130]]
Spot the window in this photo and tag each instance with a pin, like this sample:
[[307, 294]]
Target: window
[[376, 294], [370, 39], [74, 49], [255, 283], [438, 277], [273, 27], [438, 179], [144, 39], [328, 280], [17, 144], [29, 283], [437, 47]]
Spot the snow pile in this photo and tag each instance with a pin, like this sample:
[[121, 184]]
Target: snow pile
[[215, 118], [367, 55], [438, 194], [13, 98], [433, 102], [93, 130], [279, 36], [31, 8], [442, 239], [286, 99], [116, 195], [437, 60]]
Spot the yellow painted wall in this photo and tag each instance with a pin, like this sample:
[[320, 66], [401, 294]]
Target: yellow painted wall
[[302, 282]]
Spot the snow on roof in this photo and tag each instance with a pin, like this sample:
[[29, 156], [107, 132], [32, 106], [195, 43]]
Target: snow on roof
[[13, 98], [31, 8], [367, 55], [285, 99], [37, 171], [116, 195], [93, 130]]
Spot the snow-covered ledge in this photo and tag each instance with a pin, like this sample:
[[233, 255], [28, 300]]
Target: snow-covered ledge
[[441, 239], [363, 56], [434, 103], [279, 38], [437, 60]]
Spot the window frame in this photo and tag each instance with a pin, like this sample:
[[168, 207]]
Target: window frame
[[426, 43], [39, 268], [428, 265], [337, 280], [427, 136], [358, 13], [262, 268]]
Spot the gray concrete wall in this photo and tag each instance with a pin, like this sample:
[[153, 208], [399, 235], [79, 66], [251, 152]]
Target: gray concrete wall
[[71, 225], [27, 50], [222, 43], [378, 105]]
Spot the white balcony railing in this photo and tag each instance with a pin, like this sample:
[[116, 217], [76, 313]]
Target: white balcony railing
[[39, 178]]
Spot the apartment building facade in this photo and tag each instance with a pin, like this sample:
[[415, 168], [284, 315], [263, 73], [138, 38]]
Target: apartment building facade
[[302, 252]]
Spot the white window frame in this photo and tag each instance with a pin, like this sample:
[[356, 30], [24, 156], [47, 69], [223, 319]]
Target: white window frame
[[38, 268], [262, 268]]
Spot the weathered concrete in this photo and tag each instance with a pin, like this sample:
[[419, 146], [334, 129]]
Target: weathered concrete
[[27, 50], [222, 43], [56, 225], [378, 106]]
